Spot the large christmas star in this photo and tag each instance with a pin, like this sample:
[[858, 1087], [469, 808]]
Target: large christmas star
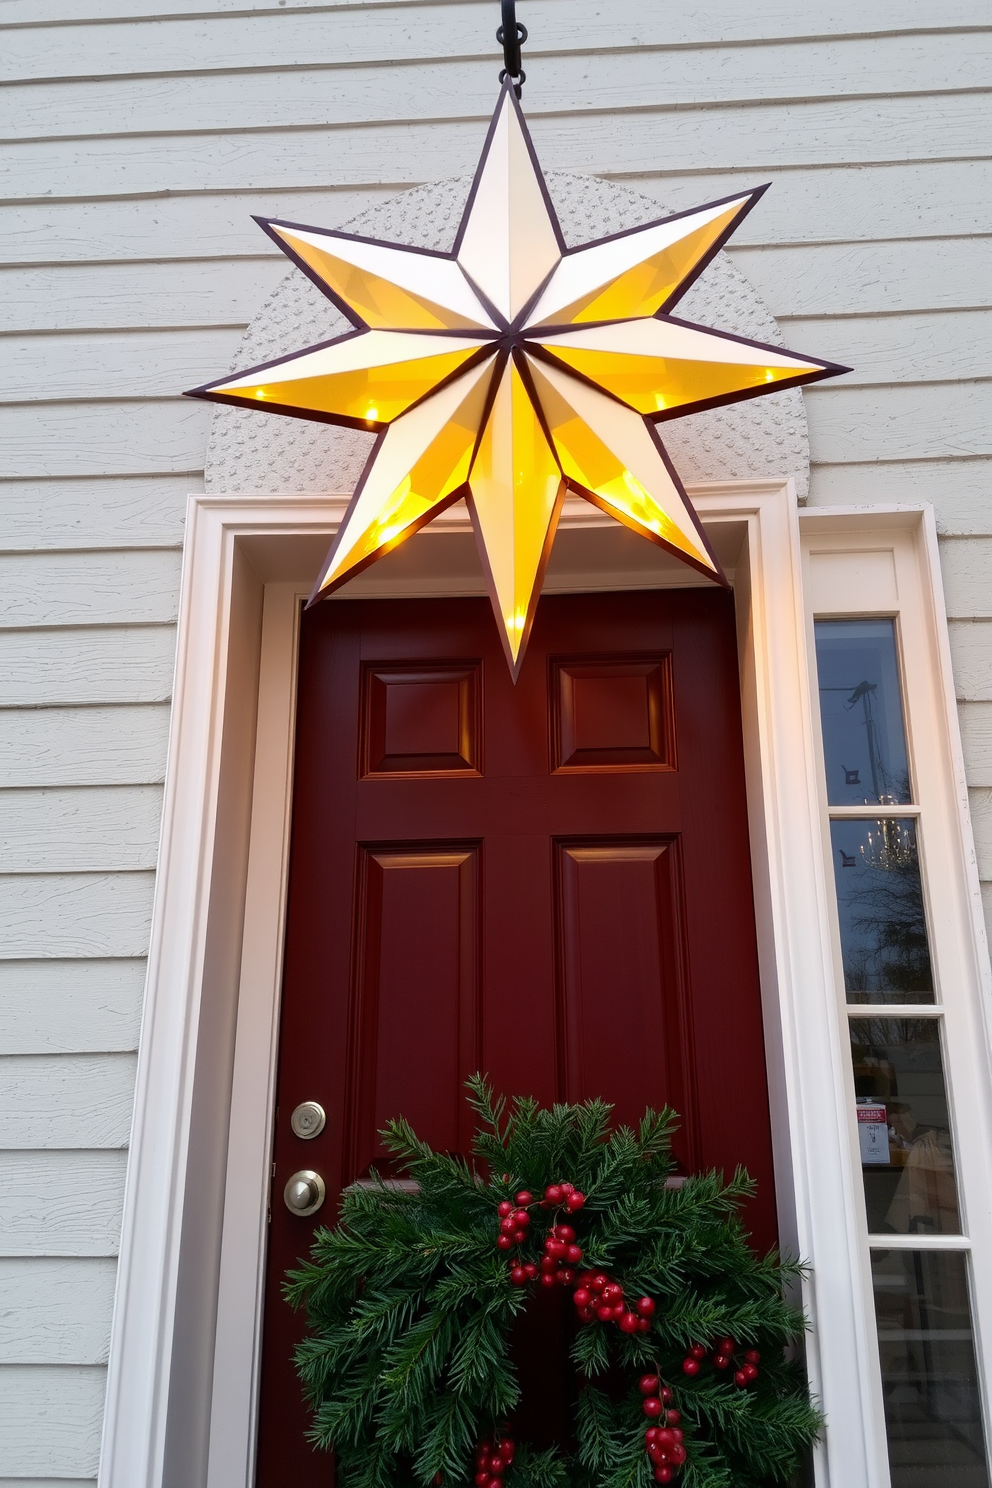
[[511, 370]]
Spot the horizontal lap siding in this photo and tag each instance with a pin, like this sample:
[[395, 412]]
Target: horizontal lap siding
[[139, 137]]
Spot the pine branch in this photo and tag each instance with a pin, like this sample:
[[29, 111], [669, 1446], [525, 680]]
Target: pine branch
[[410, 1305]]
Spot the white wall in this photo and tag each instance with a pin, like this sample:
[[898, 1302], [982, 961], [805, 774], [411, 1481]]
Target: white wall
[[139, 136]]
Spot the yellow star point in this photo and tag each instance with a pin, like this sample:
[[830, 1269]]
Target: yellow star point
[[511, 370]]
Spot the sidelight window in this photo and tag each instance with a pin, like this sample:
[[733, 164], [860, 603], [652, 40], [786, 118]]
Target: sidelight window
[[902, 1108]]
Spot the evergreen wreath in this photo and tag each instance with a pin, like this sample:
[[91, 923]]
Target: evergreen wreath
[[411, 1299]]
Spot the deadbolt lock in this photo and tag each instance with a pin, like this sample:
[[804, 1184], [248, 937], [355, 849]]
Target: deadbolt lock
[[308, 1120], [305, 1192]]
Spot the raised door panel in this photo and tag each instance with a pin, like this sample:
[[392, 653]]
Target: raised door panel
[[623, 1009], [420, 720], [612, 714], [415, 995]]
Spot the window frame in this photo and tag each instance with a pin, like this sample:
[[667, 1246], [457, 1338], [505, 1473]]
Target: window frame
[[836, 590]]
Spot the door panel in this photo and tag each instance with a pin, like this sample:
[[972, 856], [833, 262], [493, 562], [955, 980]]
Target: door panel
[[622, 1018], [548, 882], [612, 714], [416, 991], [421, 720]]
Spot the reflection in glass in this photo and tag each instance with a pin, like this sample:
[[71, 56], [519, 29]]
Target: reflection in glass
[[904, 1126], [929, 1381], [883, 929], [864, 740]]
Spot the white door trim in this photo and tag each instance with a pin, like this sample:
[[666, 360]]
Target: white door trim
[[182, 1383]]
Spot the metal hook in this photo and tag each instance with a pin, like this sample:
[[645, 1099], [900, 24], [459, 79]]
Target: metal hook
[[511, 35]]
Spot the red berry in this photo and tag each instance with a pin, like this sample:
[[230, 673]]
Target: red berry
[[505, 1242], [556, 1248], [549, 1265], [495, 1482], [521, 1218], [567, 1188], [673, 1417], [482, 1454], [645, 1307], [585, 1278], [721, 1361], [575, 1201], [507, 1225], [564, 1232], [666, 1395], [644, 1325], [531, 1269], [628, 1322], [547, 1278], [651, 1406], [651, 1434], [612, 1292], [567, 1275], [750, 1372], [582, 1297], [574, 1254], [518, 1275], [678, 1454], [523, 1198], [648, 1384], [553, 1193], [740, 1378], [519, 1236], [665, 1438], [619, 1311], [698, 1351], [663, 1474], [496, 1465], [482, 1478], [724, 1346], [599, 1281], [752, 1356], [605, 1314], [507, 1449], [679, 1435], [587, 1314], [690, 1366], [504, 1209]]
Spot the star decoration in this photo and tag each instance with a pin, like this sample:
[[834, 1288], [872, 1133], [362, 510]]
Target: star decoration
[[511, 370]]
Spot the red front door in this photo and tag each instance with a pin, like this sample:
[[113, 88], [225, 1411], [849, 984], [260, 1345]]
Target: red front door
[[548, 882]]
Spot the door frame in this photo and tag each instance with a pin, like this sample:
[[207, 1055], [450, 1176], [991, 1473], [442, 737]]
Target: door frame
[[184, 1360]]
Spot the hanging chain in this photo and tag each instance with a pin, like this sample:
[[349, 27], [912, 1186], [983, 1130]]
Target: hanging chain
[[511, 36]]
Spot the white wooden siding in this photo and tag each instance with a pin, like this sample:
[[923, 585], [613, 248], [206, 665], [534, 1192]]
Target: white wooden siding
[[139, 136]]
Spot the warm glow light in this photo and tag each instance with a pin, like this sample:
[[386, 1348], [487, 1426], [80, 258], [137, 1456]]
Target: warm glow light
[[464, 406]]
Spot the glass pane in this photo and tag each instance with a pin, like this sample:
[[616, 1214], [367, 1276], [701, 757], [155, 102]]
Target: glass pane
[[864, 741], [929, 1381], [883, 929], [903, 1126]]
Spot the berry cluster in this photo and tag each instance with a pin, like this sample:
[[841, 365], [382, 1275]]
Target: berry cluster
[[596, 1296], [663, 1441], [723, 1357], [557, 1194], [492, 1459], [514, 1221], [561, 1254]]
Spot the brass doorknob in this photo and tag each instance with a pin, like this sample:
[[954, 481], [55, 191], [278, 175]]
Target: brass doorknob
[[305, 1192]]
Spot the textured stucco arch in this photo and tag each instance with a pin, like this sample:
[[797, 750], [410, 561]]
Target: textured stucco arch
[[757, 438]]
